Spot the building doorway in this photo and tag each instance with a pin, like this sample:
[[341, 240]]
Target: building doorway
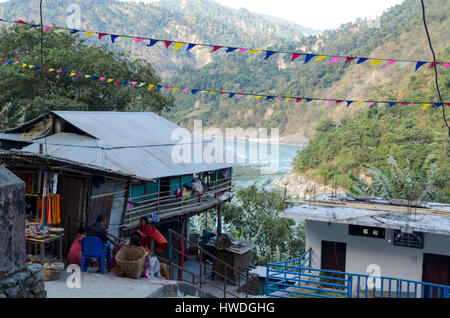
[[436, 270]]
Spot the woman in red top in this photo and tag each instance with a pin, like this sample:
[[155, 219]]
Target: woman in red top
[[74, 256], [147, 233]]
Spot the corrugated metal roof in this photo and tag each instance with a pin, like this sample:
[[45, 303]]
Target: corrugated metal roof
[[148, 133], [117, 129], [431, 223]]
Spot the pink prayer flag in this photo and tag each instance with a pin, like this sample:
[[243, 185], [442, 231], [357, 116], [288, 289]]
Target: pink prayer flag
[[21, 21], [47, 28], [133, 83], [240, 96], [102, 78], [334, 59], [78, 75], [139, 40], [186, 89], [166, 87], [445, 65], [278, 97], [370, 104], [167, 43], [330, 102], [17, 62], [216, 47], [100, 35], [390, 62], [58, 71], [117, 81], [294, 56], [243, 50]]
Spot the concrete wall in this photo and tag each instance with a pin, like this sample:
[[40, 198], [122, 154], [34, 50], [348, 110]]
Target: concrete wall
[[12, 223], [394, 261], [17, 280]]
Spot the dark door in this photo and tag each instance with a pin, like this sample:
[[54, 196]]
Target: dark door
[[333, 258], [436, 270], [164, 187]]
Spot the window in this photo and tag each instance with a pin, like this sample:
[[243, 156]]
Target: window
[[367, 231], [414, 239]]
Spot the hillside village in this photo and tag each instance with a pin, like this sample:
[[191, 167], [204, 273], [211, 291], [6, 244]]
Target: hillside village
[[335, 183]]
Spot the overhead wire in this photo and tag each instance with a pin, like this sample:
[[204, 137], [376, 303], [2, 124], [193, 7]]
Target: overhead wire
[[436, 81]]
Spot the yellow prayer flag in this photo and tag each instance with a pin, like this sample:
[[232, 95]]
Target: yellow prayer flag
[[374, 62], [254, 51], [288, 98], [150, 86], [358, 103], [175, 89], [257, 97], [321, 57], [88, 34], [213, 92], [72, 74], [178, 45], [110, 80], [24, 65], [425, 106], [51, 70]]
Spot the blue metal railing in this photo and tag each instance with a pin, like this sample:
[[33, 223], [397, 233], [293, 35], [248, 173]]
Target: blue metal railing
[[296, 278]]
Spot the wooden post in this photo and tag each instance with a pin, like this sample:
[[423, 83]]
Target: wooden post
[[219, 220]]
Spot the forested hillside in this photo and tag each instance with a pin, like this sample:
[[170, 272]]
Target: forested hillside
[[401, 36], [200, 21]]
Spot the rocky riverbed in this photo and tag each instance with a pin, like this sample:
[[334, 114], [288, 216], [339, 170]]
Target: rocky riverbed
[[299, 187]]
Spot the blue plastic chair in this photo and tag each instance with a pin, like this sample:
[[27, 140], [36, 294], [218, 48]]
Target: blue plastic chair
[[94, 247]]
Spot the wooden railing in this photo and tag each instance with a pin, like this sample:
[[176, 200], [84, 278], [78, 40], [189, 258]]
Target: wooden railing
[[166, 205], [242, 273]]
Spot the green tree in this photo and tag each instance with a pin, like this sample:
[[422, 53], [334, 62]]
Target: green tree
[[20, 87], [255, 215], [397, 183]]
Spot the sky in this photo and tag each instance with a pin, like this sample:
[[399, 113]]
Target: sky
[[316, 14]]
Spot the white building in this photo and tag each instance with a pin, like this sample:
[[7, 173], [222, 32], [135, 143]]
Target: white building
[[376, 238]]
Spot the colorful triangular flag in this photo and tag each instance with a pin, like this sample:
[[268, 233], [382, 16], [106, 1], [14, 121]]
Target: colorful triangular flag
[[419, 64], [295, 56]]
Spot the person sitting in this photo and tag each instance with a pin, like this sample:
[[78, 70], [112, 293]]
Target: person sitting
[[148, 233], [75, 252], [98, 229]]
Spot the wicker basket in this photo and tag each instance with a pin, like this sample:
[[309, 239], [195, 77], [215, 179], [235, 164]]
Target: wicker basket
[[131, 260], [53, 271]]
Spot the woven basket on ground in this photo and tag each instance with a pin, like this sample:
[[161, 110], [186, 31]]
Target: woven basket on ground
[[53, 271], [131, 260]]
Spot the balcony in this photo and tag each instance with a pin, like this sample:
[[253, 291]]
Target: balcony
[[166, 205]]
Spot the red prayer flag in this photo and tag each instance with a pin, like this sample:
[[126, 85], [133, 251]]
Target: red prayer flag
[[295, 55]]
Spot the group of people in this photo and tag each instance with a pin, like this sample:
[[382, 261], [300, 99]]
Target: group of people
[[142, 237]]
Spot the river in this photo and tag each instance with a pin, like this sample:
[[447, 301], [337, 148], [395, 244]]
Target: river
[[263, 167]]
